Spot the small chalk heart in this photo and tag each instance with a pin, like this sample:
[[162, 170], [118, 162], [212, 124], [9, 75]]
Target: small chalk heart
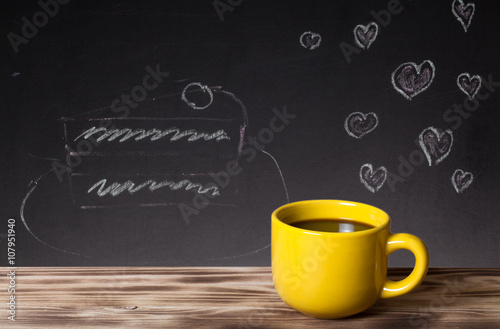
[[364, 35], [470, 85], [359, 124], [461, 180], [435, 144], [463, 12], [310, 40], [373, 180]]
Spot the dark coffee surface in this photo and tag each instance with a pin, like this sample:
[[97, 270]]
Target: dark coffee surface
[[332, 225]]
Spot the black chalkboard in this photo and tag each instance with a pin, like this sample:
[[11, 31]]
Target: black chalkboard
[[166, 132]]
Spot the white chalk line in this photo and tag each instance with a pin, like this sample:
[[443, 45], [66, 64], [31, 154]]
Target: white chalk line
[[287, 200], [281, 174], [34, 184]]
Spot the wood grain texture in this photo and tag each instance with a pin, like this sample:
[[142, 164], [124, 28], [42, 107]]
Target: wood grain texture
[[231, 298]]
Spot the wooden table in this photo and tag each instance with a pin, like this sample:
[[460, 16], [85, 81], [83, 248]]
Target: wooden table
[[231, 298]]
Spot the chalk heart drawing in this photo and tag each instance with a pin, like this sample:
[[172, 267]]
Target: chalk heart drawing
[[410, 79], [469, 85], [461, 180], [373, 180], [365, 35], [463, 12], [359, 124], [310, 40], [436, 144]]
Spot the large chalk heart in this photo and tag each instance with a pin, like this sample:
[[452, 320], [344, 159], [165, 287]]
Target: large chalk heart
[[359, 124], [463, 12], [461, 180], [469, 85], [365, 35], [436, 144], [373, 180], [310, 40], [410, 79]]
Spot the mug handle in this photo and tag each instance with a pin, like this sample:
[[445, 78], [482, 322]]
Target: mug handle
[[419, 249]]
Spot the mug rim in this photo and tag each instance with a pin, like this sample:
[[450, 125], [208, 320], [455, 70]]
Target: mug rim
[[278, 221]]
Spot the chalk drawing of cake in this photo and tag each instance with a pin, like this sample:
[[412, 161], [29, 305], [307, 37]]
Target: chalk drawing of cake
[[159, 152]]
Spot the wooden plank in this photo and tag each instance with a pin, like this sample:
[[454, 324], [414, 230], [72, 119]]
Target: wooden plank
[[232, 297]]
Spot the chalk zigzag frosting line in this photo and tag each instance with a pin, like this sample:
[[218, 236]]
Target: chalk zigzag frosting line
[[117, 188], [154, 134]]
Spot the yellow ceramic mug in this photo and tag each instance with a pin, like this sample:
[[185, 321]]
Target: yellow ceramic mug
[[332, 275]]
